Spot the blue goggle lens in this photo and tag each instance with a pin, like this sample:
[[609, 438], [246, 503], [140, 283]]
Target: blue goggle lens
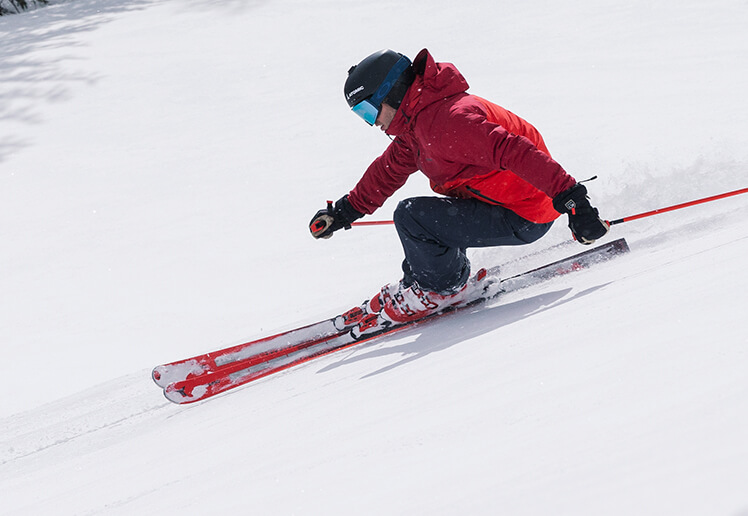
[[367, 111]]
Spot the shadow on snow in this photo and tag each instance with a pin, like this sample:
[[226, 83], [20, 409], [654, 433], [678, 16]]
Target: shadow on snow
[[442, 334]]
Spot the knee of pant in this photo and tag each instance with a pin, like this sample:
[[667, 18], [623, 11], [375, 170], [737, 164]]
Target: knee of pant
[[404, 212]]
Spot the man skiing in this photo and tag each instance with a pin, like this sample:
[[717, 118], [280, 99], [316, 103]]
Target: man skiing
[[500, 184]]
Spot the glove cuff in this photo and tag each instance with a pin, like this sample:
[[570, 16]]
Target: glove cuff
[[345, 212], [571, 200]]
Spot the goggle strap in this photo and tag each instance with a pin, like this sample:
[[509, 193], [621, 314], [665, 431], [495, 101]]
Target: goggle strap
[[389, 81]]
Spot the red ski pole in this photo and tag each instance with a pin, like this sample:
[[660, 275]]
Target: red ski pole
[[373, 223], [611, 222], [677, 206]]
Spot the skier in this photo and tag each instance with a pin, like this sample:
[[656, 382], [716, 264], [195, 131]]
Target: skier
[[501, 185]]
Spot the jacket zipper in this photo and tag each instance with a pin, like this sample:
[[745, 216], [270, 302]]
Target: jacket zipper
[[486, 198]]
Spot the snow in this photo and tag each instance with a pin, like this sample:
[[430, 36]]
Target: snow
[[159, 162]]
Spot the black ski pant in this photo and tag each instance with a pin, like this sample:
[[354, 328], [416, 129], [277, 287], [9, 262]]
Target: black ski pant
[[436, 231]]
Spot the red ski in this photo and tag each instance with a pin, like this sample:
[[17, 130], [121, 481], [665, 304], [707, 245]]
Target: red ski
[[266, 347], [239, 373], [203, 376]]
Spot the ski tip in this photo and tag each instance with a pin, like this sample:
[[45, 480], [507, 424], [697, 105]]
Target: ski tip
[[180, 396], [166, 374], [157, 376]]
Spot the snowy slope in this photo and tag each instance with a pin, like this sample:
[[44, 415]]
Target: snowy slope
[[159, 162]]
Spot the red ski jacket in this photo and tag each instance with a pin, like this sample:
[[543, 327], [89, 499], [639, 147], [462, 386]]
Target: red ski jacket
[[466, 146]]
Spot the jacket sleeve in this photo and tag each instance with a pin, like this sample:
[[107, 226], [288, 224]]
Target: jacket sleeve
[[384, 177], [473, 140]]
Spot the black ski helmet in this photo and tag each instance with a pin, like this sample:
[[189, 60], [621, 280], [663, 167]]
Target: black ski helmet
[[384, 76]]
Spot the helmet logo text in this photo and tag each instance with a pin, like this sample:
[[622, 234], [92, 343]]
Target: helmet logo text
[[360, 88]]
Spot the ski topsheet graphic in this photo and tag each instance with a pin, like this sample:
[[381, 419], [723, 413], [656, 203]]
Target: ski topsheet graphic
[[203, 376]]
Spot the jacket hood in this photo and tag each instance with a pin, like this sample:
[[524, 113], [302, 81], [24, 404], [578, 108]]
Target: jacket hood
[[433, 83]]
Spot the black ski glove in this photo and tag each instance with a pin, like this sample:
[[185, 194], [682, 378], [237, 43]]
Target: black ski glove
[[329, 220], [584, 222]]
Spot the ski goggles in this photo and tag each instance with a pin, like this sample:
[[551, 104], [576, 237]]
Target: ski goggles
[[368, 109]]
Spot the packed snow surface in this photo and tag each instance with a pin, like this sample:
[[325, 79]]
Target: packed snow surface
[[160, 161]]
